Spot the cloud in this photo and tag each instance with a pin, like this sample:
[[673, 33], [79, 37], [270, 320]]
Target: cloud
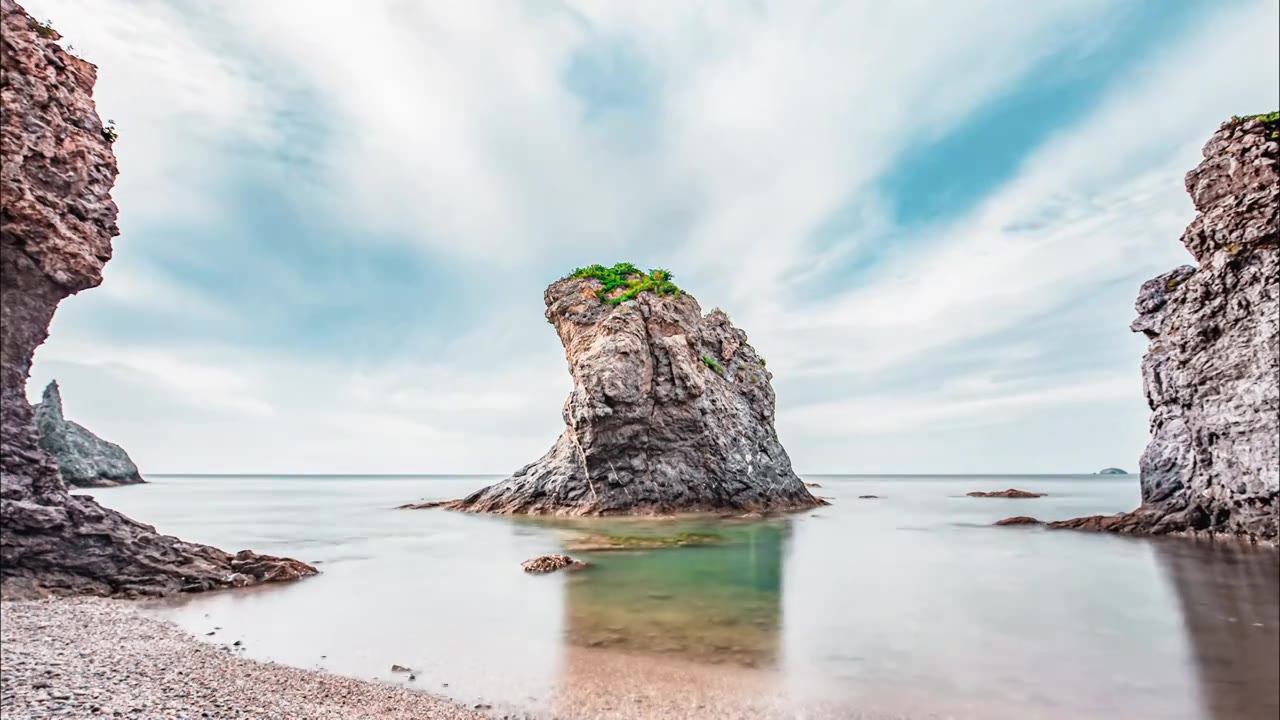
[[338, 218]]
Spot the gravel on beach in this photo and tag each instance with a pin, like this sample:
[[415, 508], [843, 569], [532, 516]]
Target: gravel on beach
[[95, 657]]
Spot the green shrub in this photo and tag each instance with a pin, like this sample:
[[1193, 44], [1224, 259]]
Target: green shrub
[[628, 277], [713, 364], [109, 132]]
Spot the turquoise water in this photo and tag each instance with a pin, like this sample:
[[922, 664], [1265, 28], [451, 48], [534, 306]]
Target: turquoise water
[[910, 605]]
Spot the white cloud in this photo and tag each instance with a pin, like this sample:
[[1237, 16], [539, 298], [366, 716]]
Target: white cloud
[[448, 127]]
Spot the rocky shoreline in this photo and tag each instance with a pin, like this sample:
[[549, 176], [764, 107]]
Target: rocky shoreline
[[90, 657]]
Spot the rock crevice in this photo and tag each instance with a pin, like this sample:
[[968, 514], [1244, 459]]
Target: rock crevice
[[671, 412], [57, 221]]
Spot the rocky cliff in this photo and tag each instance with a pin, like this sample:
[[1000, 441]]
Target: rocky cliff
[[1212, 368], [671, 411], [57, 220], [84, 459]]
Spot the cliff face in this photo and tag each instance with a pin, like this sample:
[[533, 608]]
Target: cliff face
[[1212, 369], [84, 459], [56, 225], [671, 412]]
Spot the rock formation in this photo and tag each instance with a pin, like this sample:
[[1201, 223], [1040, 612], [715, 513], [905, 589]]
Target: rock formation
[[1212, 369], [84, 459], [57, 220], [1012, 493], [671, 411]]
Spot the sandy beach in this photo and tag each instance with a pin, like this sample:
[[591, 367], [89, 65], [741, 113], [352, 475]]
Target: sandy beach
[[93, 657]]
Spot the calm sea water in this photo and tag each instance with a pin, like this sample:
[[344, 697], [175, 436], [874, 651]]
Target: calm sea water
[[910, 605]]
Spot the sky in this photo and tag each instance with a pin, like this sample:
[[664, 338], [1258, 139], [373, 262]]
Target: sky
[[337, 218]]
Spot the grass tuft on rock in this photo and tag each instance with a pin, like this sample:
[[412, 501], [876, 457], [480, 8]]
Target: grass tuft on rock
[[713, 364], [1270, 122], [629, 279]]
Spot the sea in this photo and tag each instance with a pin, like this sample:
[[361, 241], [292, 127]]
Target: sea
[[906, 605]]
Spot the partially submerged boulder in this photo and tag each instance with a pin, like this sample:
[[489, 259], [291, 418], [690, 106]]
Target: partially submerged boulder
[[671, 411], [1010, 493], [1018, 520], [551, 563], [84, 459]]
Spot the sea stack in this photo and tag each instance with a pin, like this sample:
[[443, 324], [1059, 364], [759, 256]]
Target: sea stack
[[1212, 369], [57, 220], [84, 459], [671, 410]]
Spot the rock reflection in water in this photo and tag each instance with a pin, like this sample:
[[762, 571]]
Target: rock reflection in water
[[714, 602], [675, 631], [1230, 598]]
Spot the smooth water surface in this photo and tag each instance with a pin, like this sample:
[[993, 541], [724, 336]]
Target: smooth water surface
[[909, 605]]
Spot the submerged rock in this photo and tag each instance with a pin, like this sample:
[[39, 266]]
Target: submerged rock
[[56, 173], [1018, 520], [597, 543], [84, 459], [671, 411], [1212, 369], [1010, 493], [551, 563]]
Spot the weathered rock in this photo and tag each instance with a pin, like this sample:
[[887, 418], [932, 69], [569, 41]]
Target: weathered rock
[[84, 459], [671, 412], [1212, 368], [1010, 493], [551, 563], [1018, 520], [57, 220]]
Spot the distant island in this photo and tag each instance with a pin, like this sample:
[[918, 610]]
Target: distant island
[[1111, 471]]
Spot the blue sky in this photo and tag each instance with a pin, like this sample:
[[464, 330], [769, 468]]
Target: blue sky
[[932, 218]]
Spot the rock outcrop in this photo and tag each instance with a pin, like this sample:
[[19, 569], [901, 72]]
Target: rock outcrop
[[671, 412], [84, 459], [1212, 369], [57, 220], [1012, 493]]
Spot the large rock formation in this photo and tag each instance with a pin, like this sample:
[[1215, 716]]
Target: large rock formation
[[671, 412], [56, 224], [1212, 369], [84, 459]]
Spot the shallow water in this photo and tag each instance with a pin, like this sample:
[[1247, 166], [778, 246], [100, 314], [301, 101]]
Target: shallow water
[[910, 605]]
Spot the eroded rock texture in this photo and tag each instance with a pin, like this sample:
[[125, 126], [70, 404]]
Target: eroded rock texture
[[671, 412], [1212, 369], [57, 220], [84, 459]]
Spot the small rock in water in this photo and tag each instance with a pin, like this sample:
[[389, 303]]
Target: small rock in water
[[209, 633], [1010, 493], [1019, 520], [412, 676], [237, 643], [399, 669], [868, 497], [551, 563], [812, 485]]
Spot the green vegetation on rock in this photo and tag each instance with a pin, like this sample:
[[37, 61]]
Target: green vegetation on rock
[[713, 364], [1270, 121], [109, 132], [629, 279], [45, 29]]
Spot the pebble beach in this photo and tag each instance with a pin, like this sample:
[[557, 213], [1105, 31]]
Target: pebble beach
[[95, 657]]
